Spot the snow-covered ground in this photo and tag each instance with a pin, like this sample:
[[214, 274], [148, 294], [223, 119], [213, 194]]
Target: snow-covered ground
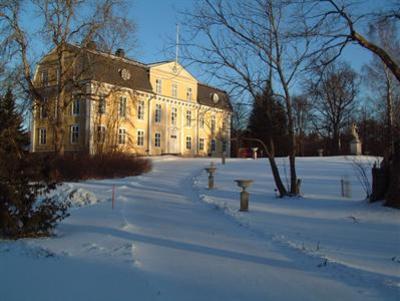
[[170, 238]]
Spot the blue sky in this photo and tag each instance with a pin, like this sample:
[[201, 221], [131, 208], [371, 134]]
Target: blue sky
[[156, 27]]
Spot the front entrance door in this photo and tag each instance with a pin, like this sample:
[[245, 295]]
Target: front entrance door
[[173, 145]]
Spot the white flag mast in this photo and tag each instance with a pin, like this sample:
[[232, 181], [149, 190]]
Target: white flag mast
[[177, 44]]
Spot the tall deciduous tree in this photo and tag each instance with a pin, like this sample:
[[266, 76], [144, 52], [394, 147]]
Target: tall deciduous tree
[[246, 43], [381, 81], [333, 92], [59, 23]]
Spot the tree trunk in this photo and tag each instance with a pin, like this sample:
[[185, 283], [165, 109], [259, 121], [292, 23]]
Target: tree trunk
[[270, 151], [275, 171], [389, 114], [335, 142], [393, 194]]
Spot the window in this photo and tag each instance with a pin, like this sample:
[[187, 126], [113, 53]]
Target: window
[[212, 124], [157, 140], [101, 134], [188, 142], [42, 136], [140, 110], [174, 90], [121, 136], [140, 138], [201, 144], [188, 118], [43, 109], [158, 86], [174, 116], [202, 122], [158, 113], [102, 105], [45, 78], [74, 133], [75, 107], [122, 106], [189, 93], [213, 146]]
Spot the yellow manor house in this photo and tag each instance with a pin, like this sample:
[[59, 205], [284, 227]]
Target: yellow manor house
[[112, 103]]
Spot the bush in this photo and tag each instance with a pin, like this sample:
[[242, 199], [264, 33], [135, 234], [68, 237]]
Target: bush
[[79, 166]]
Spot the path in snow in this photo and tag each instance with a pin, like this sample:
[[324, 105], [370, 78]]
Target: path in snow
[[162, 243]]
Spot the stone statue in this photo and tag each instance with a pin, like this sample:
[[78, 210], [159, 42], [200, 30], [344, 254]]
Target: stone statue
[[355, 143], [354, 132]]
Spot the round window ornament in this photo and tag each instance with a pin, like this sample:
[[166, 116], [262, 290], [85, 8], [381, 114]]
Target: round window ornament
[[125, 74], [215, 97], [175, 69]]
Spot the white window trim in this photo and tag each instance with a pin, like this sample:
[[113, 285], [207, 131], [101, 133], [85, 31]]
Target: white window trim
[[174, 112], [137, 137], [141, 104], [188, 122], [73, 106], [189, 96], [174, 90], [41, 135], [158, 105], [155, 144], [125, 136], [159, 85], [191, 142], [125, 107], [201, 144], [102, 97], [72, 133]]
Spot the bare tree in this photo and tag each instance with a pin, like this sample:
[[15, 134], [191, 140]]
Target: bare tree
[[302, 116], [244, 44], [339, 23], [381, 82], [333, 93], [62, 23]]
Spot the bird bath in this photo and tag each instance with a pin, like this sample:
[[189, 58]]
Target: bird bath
[[244, 195]]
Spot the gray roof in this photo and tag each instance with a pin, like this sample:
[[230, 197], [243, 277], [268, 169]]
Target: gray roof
[[104, 67], [204, 97]]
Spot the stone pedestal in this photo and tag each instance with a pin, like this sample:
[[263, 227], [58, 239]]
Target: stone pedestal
[[355, 147], [244, 195], [244, 201]]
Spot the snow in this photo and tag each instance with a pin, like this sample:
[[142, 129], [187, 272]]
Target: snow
[[171, 238]]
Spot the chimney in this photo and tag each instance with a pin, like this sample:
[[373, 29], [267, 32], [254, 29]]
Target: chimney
[[120, 52]]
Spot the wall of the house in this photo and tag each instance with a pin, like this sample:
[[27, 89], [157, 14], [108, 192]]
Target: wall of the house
[[89, 118]]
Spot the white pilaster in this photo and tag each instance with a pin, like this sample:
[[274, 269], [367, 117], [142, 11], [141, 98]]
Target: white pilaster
[[181, 130], [166, 133], [149, 126]]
